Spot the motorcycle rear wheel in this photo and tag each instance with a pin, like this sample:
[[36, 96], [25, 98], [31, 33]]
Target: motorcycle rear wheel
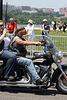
[[62, 83]]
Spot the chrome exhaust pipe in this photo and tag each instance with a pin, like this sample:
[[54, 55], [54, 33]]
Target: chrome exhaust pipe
[[21, 85]]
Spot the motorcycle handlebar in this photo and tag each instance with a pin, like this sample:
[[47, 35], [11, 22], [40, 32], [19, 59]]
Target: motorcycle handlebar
[[43, 43]]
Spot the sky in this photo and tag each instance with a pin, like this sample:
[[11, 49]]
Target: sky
[[55, 4]]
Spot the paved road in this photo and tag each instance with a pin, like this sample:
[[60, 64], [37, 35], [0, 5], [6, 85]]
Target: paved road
[[32, 94]]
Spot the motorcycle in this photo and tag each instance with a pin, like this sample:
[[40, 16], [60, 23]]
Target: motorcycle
[[43, 63]]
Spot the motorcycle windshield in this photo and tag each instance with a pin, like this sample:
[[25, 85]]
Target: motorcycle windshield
[[49, 43]]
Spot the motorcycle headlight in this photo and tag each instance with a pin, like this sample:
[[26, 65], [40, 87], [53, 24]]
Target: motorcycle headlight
[[60, 54]]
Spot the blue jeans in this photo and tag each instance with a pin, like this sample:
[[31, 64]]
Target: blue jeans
[[28, 62], [10, 59]]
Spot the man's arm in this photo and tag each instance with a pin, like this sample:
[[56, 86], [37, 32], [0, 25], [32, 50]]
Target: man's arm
[[14, 31], [19, 41], [8, 27]]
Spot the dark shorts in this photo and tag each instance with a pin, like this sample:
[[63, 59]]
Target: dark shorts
[[60, 27]]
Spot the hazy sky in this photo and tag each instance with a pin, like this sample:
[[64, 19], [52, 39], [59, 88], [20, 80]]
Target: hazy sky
[[55, 4]]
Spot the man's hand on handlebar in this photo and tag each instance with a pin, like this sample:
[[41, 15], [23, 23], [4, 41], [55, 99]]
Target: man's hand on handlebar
[[41, 43]]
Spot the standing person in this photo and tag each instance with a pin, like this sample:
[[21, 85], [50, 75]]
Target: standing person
[[64, 27], [11, 27], [45, 26], [52, 23], [54, 26], [31, 34], [6, 55], [60, 26], [17, 43]]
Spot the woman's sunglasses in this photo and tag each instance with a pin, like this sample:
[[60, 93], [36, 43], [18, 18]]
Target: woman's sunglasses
[[1, 25]]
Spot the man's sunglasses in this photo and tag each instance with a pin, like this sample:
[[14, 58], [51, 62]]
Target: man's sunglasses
[[1, 25]]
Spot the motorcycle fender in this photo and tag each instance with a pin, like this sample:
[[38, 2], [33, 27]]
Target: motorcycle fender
[[57, 72]]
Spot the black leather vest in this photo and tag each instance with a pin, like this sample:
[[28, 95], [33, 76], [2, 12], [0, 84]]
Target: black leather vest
[[1, 45]]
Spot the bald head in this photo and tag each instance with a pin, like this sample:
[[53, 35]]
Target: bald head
[[11, 19]]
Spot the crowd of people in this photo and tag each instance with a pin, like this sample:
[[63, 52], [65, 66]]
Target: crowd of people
[[12, 26], [59, 26]]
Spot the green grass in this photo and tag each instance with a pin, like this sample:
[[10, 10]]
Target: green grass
[[56, 33], [59, 42]]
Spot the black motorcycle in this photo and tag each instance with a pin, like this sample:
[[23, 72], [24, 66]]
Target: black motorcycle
[[43, 64]]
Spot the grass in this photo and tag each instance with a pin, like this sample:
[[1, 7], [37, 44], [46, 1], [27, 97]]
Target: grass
[[56, 33], [59, 42]]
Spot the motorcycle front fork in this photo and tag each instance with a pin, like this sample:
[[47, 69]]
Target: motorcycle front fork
[[61, 69]]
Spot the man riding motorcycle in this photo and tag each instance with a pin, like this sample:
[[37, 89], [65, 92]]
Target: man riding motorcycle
[[43, 64], [17, 43]]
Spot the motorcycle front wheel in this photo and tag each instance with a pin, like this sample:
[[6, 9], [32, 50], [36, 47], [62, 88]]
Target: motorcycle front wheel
[[62, 83]]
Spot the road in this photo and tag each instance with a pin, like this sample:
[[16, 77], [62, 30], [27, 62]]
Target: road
[[32, 94]]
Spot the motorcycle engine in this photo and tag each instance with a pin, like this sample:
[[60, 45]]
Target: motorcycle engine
[[41, 70], [37, 68]]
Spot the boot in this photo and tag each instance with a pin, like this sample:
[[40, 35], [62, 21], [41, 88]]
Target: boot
[[39, 81]]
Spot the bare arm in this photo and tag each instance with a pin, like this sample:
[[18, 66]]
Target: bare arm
[[19, 41], [8, 28], [14, 31], [3, 35]]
